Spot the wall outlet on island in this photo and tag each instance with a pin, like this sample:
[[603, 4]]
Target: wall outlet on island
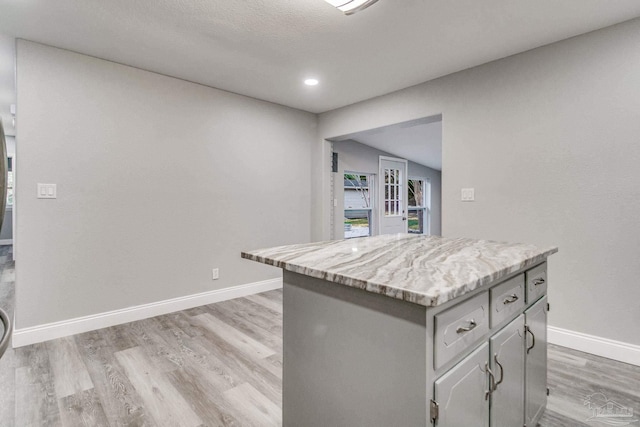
[[215, 274]]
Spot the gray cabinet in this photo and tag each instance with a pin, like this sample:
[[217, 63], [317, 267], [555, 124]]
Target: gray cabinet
[[503, 381], [536, 279], [536, 362], [463, 392], [507, 365], [472, 395], [459, 327], [507, 300]]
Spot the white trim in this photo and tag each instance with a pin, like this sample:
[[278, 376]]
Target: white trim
[[49, 331], [5, 242], [393, 159], [604, 347]]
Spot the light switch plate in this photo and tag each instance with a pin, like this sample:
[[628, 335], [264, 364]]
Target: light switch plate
[[47, 191], [468, 195]]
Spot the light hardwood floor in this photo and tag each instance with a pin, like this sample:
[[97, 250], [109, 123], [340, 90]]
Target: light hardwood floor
[[214, 365]]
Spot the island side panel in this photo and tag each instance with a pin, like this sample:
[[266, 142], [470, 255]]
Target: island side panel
[[351, 358]]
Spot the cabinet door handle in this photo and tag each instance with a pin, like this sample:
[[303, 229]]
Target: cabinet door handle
[[492, 382], [533, 337], [472, 325], [510, 299], [539, 281], [495, 358]]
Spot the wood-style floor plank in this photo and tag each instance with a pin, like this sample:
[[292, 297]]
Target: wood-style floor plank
[[241, 366], [156, 349], [121, 403], [83, 409], [238, 321], [68, 369], [274, 364], [35, 402], [200, 359], [254, 313], [270, 303], [206, 398], [162, 401], [8, 363], [255, 406], [234, 337]]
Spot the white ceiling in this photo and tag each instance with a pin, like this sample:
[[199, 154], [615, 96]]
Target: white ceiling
[[264, 48], [420, 143]]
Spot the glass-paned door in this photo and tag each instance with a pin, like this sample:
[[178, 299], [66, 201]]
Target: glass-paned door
[[393, 215], [392, 192]]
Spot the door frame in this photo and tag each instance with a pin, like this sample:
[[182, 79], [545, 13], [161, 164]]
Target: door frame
[[322, 188], [405, 191]]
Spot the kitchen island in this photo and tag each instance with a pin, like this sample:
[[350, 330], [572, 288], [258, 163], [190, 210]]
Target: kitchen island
[[406, 330]]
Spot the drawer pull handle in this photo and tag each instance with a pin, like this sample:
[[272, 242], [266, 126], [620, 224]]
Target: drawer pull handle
[[492, 382], [510, 299], [533, 337], [538, 282], [495, 386], [472, 325]]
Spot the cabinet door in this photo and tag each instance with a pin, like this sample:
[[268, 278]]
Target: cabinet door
[[536, 362], [507, 364], [461, 392]]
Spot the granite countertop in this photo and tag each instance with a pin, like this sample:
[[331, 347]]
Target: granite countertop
[[425, 270]]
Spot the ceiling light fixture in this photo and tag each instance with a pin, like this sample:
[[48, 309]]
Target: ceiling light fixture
[[349, 7], [311, 82]]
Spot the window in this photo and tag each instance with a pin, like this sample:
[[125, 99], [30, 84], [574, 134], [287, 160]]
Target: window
[[358, 203], [10, 181], [392, 192], [419, 211]]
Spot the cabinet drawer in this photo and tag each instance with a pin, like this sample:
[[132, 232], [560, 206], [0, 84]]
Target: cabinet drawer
[[536, 282], [507, 299], [460, 326]]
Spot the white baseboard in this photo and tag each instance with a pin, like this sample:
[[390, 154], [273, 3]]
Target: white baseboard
[[5, 242], [49, 331], [604, 347]]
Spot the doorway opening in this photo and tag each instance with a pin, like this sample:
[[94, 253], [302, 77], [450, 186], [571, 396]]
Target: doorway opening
[[394, 183]]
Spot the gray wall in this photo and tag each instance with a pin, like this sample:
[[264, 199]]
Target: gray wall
[[131, 151], [6, 232], [356, 157], [549, 140]]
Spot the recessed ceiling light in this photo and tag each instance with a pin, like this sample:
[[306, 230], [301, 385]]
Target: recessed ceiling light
[[311, 82]]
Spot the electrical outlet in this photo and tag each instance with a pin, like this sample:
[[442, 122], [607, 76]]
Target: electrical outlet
[[215, 274], [468, 195]]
